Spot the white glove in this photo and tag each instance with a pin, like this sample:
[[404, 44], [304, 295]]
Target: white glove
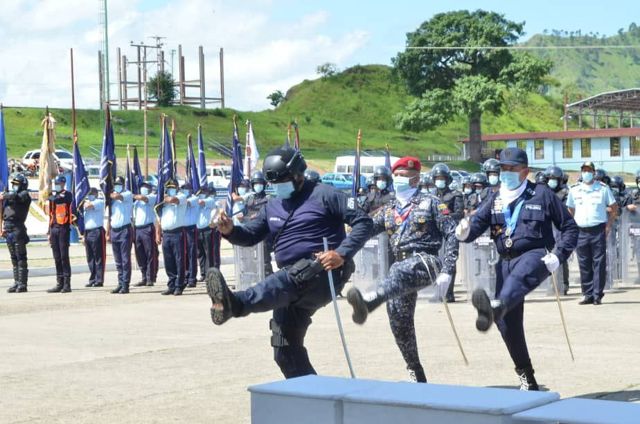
[[551, 261], [442, 285], [463, 229]]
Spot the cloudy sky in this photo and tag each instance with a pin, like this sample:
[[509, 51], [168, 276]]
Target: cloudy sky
[[269, 44]]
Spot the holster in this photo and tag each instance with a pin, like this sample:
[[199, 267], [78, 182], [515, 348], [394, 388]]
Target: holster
[[304, 270]]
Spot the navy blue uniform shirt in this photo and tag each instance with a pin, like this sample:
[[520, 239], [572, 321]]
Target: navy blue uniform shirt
[[319, 210]]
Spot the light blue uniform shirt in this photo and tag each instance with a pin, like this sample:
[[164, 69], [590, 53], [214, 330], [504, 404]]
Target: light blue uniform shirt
[[193, 210], [121, 210], [204, 212], [173, 215], [143, 213], [590, 203], [94, 218]]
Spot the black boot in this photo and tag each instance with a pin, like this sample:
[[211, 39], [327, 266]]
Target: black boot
[[527, 380], [16, 281], [58, 287], [361, 307], [487, 313], [23, 277], [66, 285], [220, 294], [417, 375]]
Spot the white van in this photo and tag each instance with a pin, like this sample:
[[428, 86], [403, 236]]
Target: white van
[[219, 175], [345, 164]]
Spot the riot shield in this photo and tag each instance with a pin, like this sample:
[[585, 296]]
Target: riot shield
[[614, 271], [480, 258], [629, 241], [372, 264], [249, 265], [546, 287]]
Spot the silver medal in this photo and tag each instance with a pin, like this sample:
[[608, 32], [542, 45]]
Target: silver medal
[[508, 243]]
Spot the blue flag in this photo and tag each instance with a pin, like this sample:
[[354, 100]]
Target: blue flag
[[80, 188], [166, 165], [355, 184], [236, 169], [107, 159], [193, 177], [4, 162], [387, 164], [202, 163], [136, 173]]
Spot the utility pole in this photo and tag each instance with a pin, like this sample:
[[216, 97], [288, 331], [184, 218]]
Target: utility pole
[[105, 24]]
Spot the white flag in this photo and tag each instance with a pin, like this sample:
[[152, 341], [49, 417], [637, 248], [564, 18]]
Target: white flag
[[252, 153]]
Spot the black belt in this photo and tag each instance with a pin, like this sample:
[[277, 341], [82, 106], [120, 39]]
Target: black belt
[[144, 226], [401, 256], [175, 231], [509, 255], [124, 227], [93, 229], [595, 229]]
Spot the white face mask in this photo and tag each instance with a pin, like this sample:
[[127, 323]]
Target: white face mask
[[242, 191], [402, 184], [381, 184], [553, 184], [15, 188], [493, 179], [440, 184], [59, 188], [468, 190], [144, 191], [171, 192], [258, 188]]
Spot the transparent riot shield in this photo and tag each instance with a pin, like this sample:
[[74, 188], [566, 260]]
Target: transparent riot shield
[[249, 265], [372, 264], [629, 242], [546, 287], [480, 258], [614, 271]]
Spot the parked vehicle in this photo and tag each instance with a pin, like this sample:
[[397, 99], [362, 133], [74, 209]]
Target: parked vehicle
[[345, 164], [31, 159], [219, 175], [342, 181]]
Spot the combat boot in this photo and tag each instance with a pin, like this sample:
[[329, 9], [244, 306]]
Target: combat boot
[[488, 311], [66, 285], [58, 287], [362, 307], [220, 295], [527, 380], [16, 281], [417, 375], [23, 277]]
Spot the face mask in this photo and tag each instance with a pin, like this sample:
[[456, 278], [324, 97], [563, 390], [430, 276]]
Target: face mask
[[553, 184], [402, 183], [14, 188], [468, 191], [258, 188], [186, 192], [144, 191], [242, 191], [587, 177], [117, 189], [440, 184], [510, 179], [59, 188], [91, 197], [284, 190], [478, 190], [381, 185], [171, 192], [615, 190], [433, 190], [424, 191], [493, 179], [202, 196]]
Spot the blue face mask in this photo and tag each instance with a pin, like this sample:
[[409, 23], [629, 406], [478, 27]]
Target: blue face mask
[[284, 190], [401, 184], [14, 188], [144, 191], [117, 189], [440, 184], [493, 180], [186, 192], [381, 185], [468, 190], [91, 197], [510, 179], [258, 188], [553, 184], [587, 177], [242, 191], [171, 192], [424, 191]]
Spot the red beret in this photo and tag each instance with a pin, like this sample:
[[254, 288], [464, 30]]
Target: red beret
[[407, 162]]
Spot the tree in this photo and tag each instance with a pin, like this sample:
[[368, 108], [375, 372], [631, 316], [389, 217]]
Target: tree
[[276, 98], [463, 81], [327, 70], [161, 89]]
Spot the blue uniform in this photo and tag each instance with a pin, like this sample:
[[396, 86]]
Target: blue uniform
[[299, 225], [590, 202], [191, 241], [520, 269], [122, 237], [206, 235], [171, 220], [95, 242], [146, 248]]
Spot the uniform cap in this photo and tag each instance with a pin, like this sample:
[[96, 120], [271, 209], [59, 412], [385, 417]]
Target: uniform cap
[[407, 162], [512, 156], [588, 164]]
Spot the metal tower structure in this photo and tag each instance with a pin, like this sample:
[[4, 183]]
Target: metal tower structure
[[104, 54]]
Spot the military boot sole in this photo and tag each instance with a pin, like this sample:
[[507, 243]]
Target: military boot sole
[[220, 294], [55, 290], [480, 300], [12, 289], [360, 310]]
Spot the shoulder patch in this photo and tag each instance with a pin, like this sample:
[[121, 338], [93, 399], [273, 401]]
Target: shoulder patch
[[351, 203], [533, 207], [444, 210]]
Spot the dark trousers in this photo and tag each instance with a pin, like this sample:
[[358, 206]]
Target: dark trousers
[[121, 245], [205, 250], [59, 236], [146, 250], [216, 240], [293, 306], [94, 246], [191, 254], [173, 251], [515, 278], [592, 259]]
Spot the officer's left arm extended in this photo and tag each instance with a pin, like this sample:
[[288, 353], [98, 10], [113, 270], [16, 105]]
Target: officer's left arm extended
[[562, 219], [250, 232], [447, 227], [346, 209]]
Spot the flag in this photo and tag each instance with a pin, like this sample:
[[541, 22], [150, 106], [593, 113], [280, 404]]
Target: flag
[[202, 163], [136, 173], [4, 161], [48, 166], [80, 186], [355, 185], [387, 164], [296, 142], [166, 162], [236, 169], [128, 177], [251, 154], [107, 159], [193, 176], [287, 141]]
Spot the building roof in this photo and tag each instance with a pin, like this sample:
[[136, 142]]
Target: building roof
[[561, 135], [622, 101]]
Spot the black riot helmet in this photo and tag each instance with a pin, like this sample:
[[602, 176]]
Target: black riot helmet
[[491, 165], [638, 178], [541, 178], [60, 179], [441, 170], [479, 178], [553, 171], [312, 176], [257, 178], [466, 180], [282, 164], [380, 172], [371, 182], [618, 182], [20, 180], [426, 180], [601, 175]]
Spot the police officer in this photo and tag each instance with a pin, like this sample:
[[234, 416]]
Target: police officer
[[619, 190], [15, 210], [541, 178], [467, 192], [311, 175], [383, 193], [491, 168], [59, 234], [298, 218], [632, 207], [205, 205], [258, 197], [191, 236], [121, 236], [520, 216], [594, 208], [94, 237], [173, 210], [146, 247], [480, 191], [418, 224], [244, 188], [556, 181], [455, 206]]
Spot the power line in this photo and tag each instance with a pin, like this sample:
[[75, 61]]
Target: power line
[[522, 47]]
